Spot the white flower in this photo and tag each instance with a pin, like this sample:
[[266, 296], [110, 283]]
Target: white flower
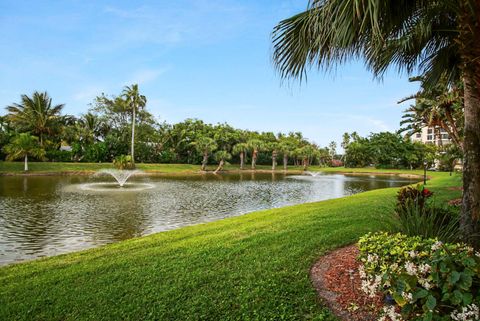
[[424, 268], [372, 258], [389, 311], [437, 245], [408, 297], [411, 268], [425, 283], [413, 254], [468, 313]]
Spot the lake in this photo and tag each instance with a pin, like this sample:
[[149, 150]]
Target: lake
[[48, 215]]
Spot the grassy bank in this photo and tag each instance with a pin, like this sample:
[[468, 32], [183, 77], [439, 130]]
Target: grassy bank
[[16, 168], [252, 267]]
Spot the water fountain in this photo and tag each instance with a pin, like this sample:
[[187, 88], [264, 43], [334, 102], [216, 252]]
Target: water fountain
[[121, 177], [314, 174]]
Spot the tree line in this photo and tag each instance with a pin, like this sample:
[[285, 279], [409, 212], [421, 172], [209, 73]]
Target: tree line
[[115, 126]]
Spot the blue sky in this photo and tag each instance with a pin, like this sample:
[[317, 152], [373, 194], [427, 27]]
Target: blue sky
[[206, 59]]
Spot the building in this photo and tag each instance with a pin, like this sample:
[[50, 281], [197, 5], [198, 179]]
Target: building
[[431, 135]]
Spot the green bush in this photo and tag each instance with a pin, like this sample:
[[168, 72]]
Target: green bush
[[427, 279], [417, 216], [123, 162], [59, 155], [417, 195]]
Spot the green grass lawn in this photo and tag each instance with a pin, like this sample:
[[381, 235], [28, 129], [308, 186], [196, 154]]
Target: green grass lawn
[[56, 167], [252, 267]]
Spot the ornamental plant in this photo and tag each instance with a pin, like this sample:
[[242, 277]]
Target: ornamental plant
[[427, 279], [417, 195], [123, 162]]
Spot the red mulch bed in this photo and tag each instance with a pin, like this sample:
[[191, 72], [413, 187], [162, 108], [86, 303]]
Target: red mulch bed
[[336, 278]]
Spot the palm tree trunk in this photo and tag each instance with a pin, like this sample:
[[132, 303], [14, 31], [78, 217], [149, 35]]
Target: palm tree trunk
[[204, 161], [254, 159], [132, 152], [220, 166], [285, 161], [25, 166], [242, 160], [274, 160], [469, 221]]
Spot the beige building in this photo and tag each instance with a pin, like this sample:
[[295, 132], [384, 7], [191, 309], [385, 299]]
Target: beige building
[[430, 135]]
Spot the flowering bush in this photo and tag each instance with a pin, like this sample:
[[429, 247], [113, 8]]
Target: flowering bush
[[427, 279], [336, 163], [413, 195]]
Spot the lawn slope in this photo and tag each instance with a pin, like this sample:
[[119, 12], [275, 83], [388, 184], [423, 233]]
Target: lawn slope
[[252, 267]]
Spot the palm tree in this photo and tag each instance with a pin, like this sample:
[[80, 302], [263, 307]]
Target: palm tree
[[255, 145], [36, 115], [441, 38], [241, 149], [205, 146], [22, 146], [286, 147], [135, 101], [274, 147], [438, 107], [220, 157]]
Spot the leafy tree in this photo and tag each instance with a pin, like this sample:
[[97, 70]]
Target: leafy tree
[[36, 115], [333, 149], [442, 38], [134, 101], [205, 146], [241, 149], [274, 147], [255, 145], [22, 146], [438, 106], [221, 156]]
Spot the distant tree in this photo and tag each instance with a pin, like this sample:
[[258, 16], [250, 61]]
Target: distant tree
[[134, 101], [221, 156], [36, 115], [274, 147], [22, 146], [241, 149], [255, 146], [345, 142], [205, 146], [333, 149]]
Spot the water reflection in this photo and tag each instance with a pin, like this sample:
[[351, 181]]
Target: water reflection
[[41, 216]]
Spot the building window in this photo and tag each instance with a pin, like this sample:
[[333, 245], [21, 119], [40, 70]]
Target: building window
[[430, 131], [418, 135], [445, 136], [429, 137]]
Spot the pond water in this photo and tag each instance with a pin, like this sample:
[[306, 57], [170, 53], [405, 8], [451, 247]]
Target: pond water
[[48, 215]]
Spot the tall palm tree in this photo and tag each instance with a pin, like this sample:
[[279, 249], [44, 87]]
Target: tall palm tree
[[22, 146], [255, 145], [441, 38], [135, 101], [205, 146], [241, 149], [36, 115]]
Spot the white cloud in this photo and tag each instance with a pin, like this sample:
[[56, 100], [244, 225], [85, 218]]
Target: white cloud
[[145, 76]]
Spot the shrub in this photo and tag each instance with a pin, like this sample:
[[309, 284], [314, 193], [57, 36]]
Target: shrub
[[336, 163], [427, 279], [59, 155], [413, 194], [123, 162]]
